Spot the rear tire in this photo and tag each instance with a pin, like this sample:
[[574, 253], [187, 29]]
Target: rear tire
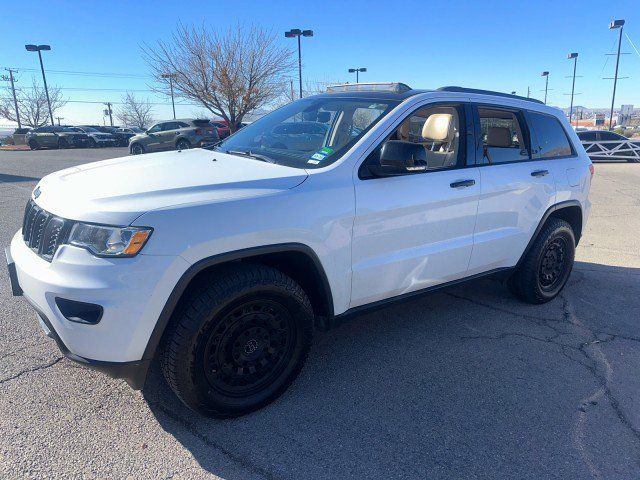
[[183, 144], [238, 341], [93, 143], [545, 269], [62, 143]]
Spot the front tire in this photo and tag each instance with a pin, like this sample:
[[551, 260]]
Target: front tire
[[136, 149], [238, 341], [33, 145], [545, 269]]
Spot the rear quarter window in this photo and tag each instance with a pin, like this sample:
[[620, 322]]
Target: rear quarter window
[[550, 136]]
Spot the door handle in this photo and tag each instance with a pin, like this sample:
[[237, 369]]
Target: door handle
[[462, 183], [539, 173]]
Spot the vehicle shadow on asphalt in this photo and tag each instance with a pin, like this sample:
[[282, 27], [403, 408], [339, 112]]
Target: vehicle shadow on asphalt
[[464, 383], [6, 178]]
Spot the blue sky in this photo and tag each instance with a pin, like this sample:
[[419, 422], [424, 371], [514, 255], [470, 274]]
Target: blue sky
[[494, 45]]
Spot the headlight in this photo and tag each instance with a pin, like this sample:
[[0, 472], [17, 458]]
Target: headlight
[[103, 240]]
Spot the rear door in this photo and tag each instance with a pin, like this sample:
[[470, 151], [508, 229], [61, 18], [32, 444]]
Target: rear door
[[517, 188], [415, 230]]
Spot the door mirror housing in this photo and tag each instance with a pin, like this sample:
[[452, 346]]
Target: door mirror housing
[[400, 158]]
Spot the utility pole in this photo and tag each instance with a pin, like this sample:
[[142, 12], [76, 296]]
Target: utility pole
[[59, 118], [615, 24], [109, 112], [528, 92], [13, 90], [171, 76]]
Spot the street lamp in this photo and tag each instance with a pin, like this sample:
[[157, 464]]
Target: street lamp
[[357, 71], [573, 84], [296, 32], [171, 76], [546, 86], [40, 48], [613, 25]]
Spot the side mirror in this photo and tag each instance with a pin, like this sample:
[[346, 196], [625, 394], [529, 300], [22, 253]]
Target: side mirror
[[398, 157]]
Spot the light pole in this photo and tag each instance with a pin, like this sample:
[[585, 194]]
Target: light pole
[[40, 48], [613, 25], [108, 111], [357, 71], [573, 83], [296, 32], [171, 76], [13, 89], [546, 86]]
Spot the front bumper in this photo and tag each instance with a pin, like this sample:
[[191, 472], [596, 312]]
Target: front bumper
[[132, 292]]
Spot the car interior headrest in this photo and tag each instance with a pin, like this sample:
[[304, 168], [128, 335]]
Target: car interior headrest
[[498, 137], [437, 127]]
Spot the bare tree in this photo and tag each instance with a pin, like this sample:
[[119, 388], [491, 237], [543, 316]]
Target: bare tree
[[230, 73], [32, 104], [134, 112]]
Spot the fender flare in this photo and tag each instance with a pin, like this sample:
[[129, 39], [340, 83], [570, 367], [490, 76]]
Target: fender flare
[[199, 266], [545, 217]]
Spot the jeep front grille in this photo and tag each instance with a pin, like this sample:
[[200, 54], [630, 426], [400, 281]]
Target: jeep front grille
[[43, 232]]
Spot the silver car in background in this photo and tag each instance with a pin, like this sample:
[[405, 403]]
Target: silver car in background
[[178, 134]]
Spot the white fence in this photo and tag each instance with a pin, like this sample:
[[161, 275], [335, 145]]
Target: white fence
[[613, 150]]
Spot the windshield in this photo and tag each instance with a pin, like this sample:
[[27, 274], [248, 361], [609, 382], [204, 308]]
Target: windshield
[[310, 133]]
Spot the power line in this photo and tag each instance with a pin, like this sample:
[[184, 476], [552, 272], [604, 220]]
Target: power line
[[89, 74]]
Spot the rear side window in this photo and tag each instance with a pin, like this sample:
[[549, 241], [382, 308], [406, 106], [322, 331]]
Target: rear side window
[[551, 137], [502, 136]]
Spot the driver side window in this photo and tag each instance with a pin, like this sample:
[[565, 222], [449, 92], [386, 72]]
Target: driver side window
[[155, 128], [437, 130]]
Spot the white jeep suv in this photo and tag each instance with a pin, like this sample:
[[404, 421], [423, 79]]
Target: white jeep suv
[[221, 262]]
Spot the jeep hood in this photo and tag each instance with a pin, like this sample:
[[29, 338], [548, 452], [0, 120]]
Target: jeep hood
[[117, 191]]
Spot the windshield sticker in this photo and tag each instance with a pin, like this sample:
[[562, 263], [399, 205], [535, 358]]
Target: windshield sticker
[[326, 150], [314, 162], [318, 156]]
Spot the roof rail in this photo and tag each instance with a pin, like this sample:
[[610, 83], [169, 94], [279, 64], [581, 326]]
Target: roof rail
[[394, 87], [487, 92]]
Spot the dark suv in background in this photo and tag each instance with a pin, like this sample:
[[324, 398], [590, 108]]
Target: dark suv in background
[[56, 137], [178, 134]]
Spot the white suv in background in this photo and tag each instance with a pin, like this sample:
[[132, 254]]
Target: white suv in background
[[220, 262]]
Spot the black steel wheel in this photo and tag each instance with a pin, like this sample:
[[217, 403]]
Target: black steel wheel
[[239, 340], [249, 347], [545, 269]]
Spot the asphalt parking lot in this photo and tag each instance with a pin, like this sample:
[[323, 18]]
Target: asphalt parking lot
[[466, 383]]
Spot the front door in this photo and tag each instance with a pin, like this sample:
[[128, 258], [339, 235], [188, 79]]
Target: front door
[[415, 230]]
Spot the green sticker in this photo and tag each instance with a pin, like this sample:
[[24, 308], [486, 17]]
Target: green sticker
[[326, 150]]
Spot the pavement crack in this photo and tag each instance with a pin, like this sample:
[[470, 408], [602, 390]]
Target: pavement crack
[[30, 370], [239, 459]]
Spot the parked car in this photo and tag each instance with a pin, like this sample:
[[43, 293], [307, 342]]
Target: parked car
[[604, 145], [97, 138], [220, 262], [222, 128], [19, 136], [179, 134], [124, 134], [51, 136]]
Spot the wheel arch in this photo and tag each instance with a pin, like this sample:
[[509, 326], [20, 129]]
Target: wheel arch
[[570, 211], [296, 260]]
